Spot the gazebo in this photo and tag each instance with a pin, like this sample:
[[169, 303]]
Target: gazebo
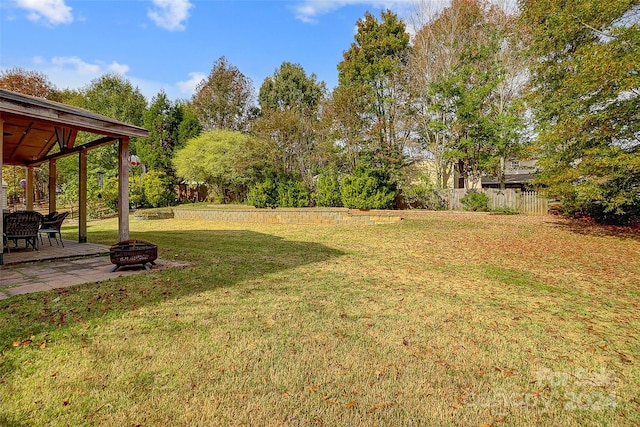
[[32, 128]]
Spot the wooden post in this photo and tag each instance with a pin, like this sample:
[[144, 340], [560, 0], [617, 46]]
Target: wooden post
[[82, 197], [29, 189], [53, 176], [123, 189], [1, 207]]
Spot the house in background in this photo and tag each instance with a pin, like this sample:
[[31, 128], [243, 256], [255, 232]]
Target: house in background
[[519, 175]]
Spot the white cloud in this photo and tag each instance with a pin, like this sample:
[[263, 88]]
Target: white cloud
[[189, 86], [76, 64], [53, 11], [114, 67], [170, 14]]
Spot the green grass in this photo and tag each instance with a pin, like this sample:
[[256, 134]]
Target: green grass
[[457, 319]]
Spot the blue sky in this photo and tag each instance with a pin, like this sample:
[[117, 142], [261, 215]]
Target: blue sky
[[172, 44]]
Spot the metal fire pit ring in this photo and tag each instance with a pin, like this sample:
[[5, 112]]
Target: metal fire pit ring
[[133, 252]]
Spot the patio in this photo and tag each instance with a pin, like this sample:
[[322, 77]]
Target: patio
[[48, 252], [53, 267]]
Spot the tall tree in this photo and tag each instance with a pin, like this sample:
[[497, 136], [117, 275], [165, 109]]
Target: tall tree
[[289, 119], [586, 97], [189, 125], [225, 99], [372, 78], [466, 77], [28, 82], [113, 96], [162, 120]]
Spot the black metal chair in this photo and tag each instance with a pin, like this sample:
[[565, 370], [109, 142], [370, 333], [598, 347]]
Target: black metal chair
[[51, 227], [23, 225]]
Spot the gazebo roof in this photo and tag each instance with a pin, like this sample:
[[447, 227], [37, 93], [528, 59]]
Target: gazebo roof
[[33, 126]]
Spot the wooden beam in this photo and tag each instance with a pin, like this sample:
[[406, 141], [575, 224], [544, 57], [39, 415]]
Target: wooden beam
[[24, 135], [123, 190], [47, 147], [1, 207], [88, 146], [65, 138], [53, 184], [29, 188], [82, 197]]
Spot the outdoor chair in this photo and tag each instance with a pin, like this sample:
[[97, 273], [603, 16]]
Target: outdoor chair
[[51, 227], [23, 225], [49, 217]]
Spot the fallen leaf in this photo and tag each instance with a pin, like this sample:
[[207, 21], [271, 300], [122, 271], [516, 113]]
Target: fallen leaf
[[350, 404], [44, 344], [23, 343]]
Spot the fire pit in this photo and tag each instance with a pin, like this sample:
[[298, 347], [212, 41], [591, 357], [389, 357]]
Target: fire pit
[[132, 252]]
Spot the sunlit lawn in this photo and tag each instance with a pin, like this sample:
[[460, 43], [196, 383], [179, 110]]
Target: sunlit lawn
[[455, 319]]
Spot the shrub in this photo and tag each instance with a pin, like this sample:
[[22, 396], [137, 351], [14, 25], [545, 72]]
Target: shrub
[[292, 194], [328, 191], [505, 211], [263, 194], [367, 189], [476, 202], [109, 193], [158, 189], [418, 191], [279, 191]]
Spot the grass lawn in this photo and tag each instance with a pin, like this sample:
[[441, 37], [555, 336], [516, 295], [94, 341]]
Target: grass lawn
[[454, 319]]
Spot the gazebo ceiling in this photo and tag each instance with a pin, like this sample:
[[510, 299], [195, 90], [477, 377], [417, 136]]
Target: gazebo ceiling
[[33, 126]]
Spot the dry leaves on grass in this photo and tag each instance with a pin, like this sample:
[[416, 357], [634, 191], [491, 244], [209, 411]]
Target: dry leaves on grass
[[21, 343]]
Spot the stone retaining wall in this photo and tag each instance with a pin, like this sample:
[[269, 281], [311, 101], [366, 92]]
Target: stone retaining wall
[[330, 216]]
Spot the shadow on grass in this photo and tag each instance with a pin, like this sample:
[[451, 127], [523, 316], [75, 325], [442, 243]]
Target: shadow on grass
[[587, 227], [217, 259]]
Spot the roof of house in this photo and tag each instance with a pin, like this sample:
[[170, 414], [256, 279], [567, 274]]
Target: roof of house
[[520, 178]]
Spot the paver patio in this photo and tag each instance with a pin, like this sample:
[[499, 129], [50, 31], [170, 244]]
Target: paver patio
[[52, 267]]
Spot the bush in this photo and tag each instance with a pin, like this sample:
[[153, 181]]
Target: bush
[[109, 193], [158, 189], [418, 192], [505, 211], [263, 194], [328, 191], [283, 191], [476, 202], [292, 194], [367, 189]]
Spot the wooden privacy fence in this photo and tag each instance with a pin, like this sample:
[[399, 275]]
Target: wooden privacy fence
[[528, 202]]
